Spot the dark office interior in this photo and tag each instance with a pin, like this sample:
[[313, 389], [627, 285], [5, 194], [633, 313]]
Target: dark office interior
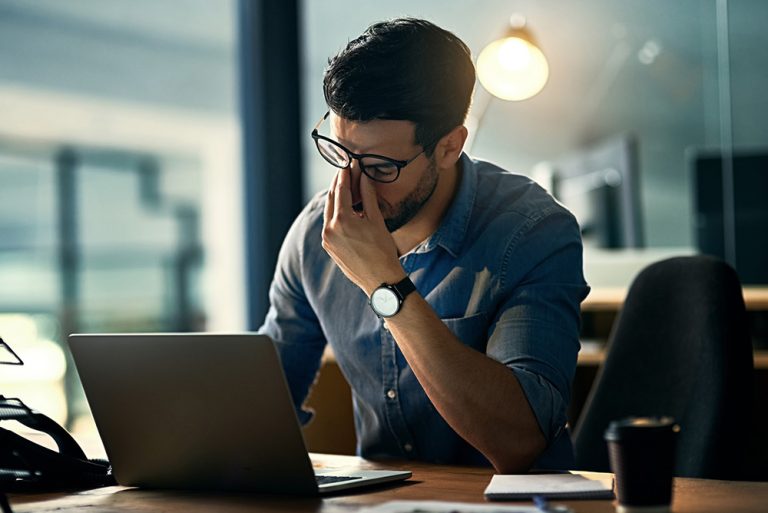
[[154, 154]]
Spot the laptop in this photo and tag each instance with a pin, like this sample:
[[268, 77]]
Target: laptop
[[201, 412]]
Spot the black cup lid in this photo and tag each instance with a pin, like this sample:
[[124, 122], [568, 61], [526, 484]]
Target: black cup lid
[[635, 427]]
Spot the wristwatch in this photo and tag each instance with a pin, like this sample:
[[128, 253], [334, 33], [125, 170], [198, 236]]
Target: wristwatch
[[387, 299]]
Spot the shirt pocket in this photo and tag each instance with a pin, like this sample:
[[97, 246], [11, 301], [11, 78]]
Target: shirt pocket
[[472, 330]]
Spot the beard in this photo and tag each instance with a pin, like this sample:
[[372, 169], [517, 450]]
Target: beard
[[398, 216]]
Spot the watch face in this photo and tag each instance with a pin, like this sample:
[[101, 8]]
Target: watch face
[[385, 302]]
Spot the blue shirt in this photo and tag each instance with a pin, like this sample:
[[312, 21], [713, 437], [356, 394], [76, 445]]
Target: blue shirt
[[504, 273]]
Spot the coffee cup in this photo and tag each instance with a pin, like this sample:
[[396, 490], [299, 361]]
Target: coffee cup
[[642, 456]]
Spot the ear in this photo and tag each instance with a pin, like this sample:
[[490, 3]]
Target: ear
[[449, 147]]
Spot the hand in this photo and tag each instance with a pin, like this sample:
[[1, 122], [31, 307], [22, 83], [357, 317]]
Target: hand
[[359, 242]]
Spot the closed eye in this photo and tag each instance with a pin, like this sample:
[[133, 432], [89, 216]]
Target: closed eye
[[382, 170]]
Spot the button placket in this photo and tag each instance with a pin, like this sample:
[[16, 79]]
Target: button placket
[[390, 377], [392, 407]]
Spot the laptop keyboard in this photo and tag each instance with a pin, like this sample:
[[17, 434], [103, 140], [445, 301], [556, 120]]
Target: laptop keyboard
[[323, 480]]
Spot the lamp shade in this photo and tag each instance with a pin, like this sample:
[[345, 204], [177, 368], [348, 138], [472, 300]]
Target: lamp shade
[[513, 67]]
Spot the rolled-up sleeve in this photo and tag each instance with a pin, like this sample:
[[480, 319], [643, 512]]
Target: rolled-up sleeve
[[535, 332]]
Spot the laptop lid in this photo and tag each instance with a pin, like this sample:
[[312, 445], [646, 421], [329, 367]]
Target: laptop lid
[[194, 411]]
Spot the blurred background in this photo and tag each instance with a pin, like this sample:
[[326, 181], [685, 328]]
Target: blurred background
[[153, 152]]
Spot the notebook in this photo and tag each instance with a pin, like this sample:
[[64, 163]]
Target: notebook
[[201, 412], [422, 506], [568, 485]]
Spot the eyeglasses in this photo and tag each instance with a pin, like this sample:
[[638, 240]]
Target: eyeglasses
[[376, 167], [7, 356]]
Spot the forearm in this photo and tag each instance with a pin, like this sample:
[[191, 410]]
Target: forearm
[[479, 397]]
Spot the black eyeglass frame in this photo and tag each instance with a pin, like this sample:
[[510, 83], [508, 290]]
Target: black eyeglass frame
[[399, 164], [4, 344]]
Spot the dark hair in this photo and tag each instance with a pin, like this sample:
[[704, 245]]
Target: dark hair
[[404, 69]]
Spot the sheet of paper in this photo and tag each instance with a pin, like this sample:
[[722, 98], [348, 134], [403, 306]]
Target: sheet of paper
[[562, 485], [445, 507]]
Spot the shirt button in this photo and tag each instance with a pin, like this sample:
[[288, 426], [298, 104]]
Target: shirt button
[[408, 447], [391, 394], [384, 325]]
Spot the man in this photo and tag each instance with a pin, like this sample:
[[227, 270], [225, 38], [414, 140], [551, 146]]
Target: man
[[448, 288]]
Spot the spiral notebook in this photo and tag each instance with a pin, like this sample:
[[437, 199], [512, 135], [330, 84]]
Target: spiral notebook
[[567, 485]]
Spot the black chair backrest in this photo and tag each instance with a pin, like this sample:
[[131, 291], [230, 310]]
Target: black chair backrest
[[680, 347]]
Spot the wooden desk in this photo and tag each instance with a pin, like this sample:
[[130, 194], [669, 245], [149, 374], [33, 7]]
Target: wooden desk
[[429, 482]]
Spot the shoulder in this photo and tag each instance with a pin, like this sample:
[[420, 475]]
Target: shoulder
[[514, 205], [522, 227], [518, 225], [310, 219], [303, 237]]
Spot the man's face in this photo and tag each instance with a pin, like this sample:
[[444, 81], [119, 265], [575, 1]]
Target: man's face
[[402, 199]]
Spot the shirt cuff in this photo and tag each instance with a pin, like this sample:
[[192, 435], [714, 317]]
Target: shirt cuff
[[545, 401]]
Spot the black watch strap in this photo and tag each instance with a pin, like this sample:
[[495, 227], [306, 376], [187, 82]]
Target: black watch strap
[[403, 287]]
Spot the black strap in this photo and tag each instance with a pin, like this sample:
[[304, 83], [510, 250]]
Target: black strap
[[404, 287]]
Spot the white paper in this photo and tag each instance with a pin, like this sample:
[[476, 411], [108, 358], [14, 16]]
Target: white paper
[[444, 507], [549, 485]]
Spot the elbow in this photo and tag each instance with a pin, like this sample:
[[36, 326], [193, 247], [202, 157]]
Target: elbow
[[510, 468], [518, 457]]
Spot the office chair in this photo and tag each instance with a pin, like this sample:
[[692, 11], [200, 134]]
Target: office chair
[[680, 347]]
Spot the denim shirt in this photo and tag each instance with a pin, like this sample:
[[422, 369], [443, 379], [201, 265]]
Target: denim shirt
[[504, 273]]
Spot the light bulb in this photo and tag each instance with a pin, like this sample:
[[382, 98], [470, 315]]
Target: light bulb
[[512, 69]]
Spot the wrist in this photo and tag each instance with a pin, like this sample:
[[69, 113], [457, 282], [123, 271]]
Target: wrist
[[388, 278]]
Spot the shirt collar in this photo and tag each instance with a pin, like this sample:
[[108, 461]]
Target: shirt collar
[[452, 230]]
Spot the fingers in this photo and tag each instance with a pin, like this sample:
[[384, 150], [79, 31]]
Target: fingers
[[329, 200], [343, 192], [338, 203], [369, 198]]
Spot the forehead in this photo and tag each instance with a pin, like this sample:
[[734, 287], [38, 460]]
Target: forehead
[[375, 136]]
